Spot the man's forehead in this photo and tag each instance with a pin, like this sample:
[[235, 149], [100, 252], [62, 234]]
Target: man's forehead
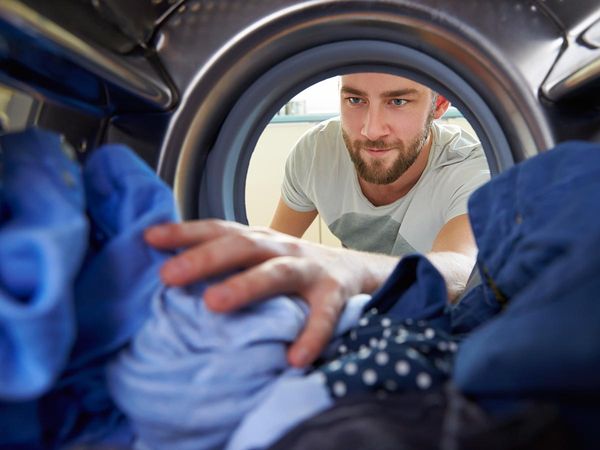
[[380, 84]]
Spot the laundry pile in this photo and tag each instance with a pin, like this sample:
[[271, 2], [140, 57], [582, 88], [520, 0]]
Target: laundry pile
[[95, 350]]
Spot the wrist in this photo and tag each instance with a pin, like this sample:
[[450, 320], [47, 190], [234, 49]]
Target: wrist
[[373, 269]]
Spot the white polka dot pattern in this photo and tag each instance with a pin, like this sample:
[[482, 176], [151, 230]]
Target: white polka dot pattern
[[402, 368], [383, 355]]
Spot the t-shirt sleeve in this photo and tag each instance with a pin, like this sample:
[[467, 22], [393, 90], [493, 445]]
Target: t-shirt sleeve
[[472, 174], [298, 167]]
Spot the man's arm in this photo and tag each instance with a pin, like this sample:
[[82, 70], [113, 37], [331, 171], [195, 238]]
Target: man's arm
[[275, 263], [454, 253], [289, 221]]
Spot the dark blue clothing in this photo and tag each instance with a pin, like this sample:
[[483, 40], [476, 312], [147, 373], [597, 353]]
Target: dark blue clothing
[[532, 215], [537, 257], [422, 290], [383, 355], [526, 219], [538, 231], [402, 342]]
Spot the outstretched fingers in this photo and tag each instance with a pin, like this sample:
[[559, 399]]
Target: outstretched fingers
[[212, 247], [214, 257]]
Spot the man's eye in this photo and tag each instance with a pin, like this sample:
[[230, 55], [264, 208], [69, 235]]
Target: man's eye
[[398, 101], [354, 100]]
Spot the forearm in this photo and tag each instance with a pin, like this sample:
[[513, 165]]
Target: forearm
[[455, 268], [453, 254], [370, 270], [291, 222]]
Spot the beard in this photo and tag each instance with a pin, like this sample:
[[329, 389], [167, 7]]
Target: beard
[[374, 170]]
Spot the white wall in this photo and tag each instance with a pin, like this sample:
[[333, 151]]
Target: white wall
[[265, 174]]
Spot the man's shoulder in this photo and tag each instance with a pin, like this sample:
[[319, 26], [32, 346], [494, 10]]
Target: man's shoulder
[[453, 144]]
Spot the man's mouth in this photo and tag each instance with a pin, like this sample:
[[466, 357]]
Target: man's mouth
[[376, 151]]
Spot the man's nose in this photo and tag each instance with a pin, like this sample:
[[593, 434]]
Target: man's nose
[[375, 125]]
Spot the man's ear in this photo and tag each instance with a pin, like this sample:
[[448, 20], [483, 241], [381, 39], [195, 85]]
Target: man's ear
[[441, 106]]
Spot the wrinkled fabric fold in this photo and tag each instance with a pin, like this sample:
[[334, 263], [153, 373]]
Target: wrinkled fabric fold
[[120, 274], [113, 289], [43, 237], [190, 376]]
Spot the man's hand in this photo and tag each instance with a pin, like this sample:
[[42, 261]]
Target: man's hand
[[272, 263]]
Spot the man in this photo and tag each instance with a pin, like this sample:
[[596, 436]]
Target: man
[[387, 126], [385, 178]]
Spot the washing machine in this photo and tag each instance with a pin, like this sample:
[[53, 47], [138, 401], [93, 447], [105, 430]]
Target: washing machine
[[191, 85]]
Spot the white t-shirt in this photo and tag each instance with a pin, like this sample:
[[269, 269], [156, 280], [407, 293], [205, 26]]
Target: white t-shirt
[[319, 174]]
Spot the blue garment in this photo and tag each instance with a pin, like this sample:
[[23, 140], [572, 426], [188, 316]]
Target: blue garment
[[62, 314], [547, 341], [422, 290], [113, 290], [191, 376], [537, 228], [533, 252], [401, 342], [531, 216], [384, 355], [120, 274], [473, 309], [43, 237]]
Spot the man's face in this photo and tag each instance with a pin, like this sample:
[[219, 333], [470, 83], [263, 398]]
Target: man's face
[[385, 123]]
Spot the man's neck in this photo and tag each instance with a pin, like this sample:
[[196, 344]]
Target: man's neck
[[384, 194]]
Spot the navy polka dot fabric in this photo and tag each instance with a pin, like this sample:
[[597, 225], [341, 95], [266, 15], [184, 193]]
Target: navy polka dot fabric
[[384, 355]]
